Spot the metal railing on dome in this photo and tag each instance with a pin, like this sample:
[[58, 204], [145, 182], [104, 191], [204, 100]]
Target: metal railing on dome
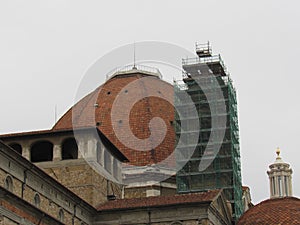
[[134, 68]]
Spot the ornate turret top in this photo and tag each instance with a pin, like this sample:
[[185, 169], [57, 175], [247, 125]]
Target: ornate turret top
[[280, 175]]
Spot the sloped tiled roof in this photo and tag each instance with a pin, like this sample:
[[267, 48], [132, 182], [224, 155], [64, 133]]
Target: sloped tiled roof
[[33, 133], [158, 201], [283, 211]]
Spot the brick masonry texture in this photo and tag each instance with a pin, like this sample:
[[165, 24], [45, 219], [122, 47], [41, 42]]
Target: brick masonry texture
[[142, 112], [284, 211], [85, 182]]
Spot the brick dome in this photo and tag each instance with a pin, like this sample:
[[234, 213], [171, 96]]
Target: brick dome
[[284, 211], [94, 110]]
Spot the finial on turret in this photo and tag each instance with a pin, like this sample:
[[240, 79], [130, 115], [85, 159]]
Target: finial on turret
[[278, 158], [278, 152]]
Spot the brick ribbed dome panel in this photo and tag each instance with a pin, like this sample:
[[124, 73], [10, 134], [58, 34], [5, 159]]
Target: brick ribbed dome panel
[[273, 211], [87, 115]]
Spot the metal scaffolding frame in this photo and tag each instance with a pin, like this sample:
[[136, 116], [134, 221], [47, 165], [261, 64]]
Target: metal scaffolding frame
[[225, 170]]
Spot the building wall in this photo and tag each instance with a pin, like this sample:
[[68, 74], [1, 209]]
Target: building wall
[[28, 181], [147, 191], [82, 179], [75, 174], [14, 210], [180, 215], [50, 204]]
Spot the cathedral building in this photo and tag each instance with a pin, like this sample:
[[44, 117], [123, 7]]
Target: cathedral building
[[105, 161]]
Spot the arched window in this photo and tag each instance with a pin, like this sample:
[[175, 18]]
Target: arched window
[[61, 215], [69, 149], [42, 151], [37, 200], [17, 147], [176, 223], [8, 184]]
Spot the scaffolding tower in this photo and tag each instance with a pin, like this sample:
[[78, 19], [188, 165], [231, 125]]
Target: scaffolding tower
[[222, 154]]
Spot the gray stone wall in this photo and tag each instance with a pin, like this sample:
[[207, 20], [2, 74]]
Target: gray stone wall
[[28, 180]]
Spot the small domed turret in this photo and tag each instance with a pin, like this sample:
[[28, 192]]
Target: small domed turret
[[280, 175]]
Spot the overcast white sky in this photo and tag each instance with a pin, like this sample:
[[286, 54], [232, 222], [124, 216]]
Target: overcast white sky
[[46, 46]]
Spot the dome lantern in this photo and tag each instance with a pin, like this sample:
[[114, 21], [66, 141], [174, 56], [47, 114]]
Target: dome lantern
[[280, 176]]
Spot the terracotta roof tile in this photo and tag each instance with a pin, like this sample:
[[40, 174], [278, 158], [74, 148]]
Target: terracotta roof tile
[[245, 188], [283, 211], [85, 114], [201, 197], [31, 133]]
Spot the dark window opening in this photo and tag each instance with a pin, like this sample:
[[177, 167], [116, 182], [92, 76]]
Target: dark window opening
[[69, 149], [99, 153], [107, 161], [116, 169], [42, 151], [61, 215], [37, 200], [9, 183], [17, 148]]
